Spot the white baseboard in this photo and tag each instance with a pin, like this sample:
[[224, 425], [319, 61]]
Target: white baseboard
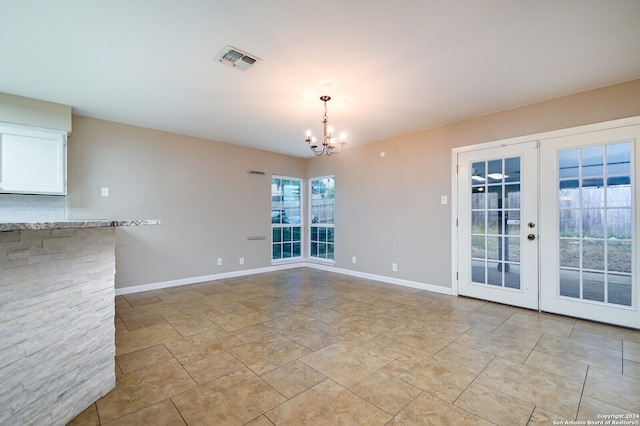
[[281, 267]]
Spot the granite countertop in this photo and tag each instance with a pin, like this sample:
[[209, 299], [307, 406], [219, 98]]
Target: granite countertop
[[71, 224]]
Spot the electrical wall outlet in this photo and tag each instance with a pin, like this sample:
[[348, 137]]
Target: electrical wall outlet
[[241, 261], [394, 267], [353, 259], [219, 261]]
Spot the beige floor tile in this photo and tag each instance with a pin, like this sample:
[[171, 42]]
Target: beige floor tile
[[615, 389], [495, 406], [292, 325], [482, 321], [293, 378], [631, 368], [631, 351], [88, 417], [143, 358], [190, 324], [161, 414], [144, 387], [142, 338], [356, 330], [238, 319], [316, 339], [443, 378], [392, 349], [509, 347], [541, 322], [429, 410], [419, 338], [260, 421], [546, 390], [252, 333], [213, 367], [585, 353], [466, 356], [411, 299], [137, 312], [386, 392], [201, 345], [132, 324], [597, 339], [592, 409], [345, 364], [560, 366], [542, 417], [608, 330], [268, 353], [328, 403], [234, 399]]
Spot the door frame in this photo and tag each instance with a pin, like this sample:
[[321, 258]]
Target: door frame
[[510, 141]]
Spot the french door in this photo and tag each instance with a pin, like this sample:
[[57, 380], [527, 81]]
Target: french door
[[588, 205], [497, 224], [552, 225]]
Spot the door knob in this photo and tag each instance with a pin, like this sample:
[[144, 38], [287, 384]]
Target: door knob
[[531, 237]]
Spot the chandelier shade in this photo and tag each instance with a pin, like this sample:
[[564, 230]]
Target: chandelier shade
[[329, 144]]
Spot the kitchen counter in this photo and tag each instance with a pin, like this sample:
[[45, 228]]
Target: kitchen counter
[[57, 309], [73, 224]]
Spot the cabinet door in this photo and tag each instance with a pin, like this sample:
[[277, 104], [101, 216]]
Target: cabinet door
[[32, 161]]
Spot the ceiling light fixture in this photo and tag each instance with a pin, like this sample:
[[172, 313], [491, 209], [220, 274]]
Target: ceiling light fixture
[[329, 145]]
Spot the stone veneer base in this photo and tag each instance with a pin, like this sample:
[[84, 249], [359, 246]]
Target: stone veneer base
[[57, 333]]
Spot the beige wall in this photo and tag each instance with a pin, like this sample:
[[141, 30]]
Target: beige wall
[[387, 208], [200, 189]]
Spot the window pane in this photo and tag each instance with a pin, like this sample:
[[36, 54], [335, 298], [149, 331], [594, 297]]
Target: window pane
[[619, 191], [494, 248], [494, 276], [277, 235], [478, 174], [593, 161], [512, 196], [512, 222], [513, 249], [593, 286], [593, 223], [477, 222], [569, 223], [494, 171], [592, 192], [569, 283], [569, 162], [478, 271], [478, 247], [570, 253], [277, 251], [569, 194], [593, 254], [478, 197], [619, 158], [619, 289], [285, 210], [512, 169], [619, 256], [619, 224]]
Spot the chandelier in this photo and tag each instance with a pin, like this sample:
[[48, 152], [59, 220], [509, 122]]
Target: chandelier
[[329, 145]]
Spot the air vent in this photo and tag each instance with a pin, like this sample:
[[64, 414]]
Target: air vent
[[236, 58]]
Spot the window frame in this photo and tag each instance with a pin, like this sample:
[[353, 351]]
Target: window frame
[[295, 229], [329, 241]]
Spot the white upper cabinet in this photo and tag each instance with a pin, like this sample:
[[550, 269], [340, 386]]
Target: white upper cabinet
[[32, 161]]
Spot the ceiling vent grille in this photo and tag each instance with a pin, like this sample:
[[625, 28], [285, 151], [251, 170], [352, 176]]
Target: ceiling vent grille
[[236, 58]]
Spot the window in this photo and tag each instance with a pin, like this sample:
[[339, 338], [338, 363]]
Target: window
[[286, 229], [322, 213]]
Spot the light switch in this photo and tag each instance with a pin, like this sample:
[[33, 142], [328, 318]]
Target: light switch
[[443, 199], [104, 191]]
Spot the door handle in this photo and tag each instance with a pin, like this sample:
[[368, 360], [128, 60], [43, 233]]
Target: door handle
[[531, 237]]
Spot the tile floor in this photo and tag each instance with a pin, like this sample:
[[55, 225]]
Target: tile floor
[[308, 347]]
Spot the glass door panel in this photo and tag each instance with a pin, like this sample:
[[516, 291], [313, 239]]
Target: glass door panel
[[492, 203], [588, 210]]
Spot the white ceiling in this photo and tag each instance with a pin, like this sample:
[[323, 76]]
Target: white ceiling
[[391, 67]]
